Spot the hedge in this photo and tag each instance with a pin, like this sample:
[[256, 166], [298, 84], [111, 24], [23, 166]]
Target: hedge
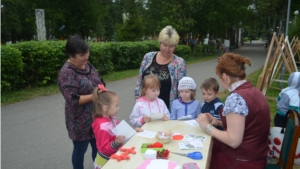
[[34, 63]]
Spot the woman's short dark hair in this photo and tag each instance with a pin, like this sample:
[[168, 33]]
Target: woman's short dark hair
[[76, 45]]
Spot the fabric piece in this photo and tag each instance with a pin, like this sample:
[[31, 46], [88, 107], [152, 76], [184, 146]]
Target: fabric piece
[[275, 144], [158, 163]]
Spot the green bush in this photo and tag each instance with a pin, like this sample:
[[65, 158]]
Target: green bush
[[127, 55], [43, 61], [246, 39], [183, 51], [101, 57], [208, 49], [38, 63], [11, 69]]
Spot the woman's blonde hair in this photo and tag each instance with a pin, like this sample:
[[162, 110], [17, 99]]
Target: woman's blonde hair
[[150, 82], [101, 98], [168, 35]]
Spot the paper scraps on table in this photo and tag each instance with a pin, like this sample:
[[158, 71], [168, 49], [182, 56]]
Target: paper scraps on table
[[192, 122], [191, 141], [192, 137], [190, 145], [147, 134]]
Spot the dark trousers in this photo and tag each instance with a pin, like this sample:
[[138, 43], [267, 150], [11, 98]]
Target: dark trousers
[[279, 120], [79, 150]]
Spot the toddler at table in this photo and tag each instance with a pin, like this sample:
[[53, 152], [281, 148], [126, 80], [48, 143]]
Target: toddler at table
[[212, 104], [186, 104], [148, 103], [105, 108]]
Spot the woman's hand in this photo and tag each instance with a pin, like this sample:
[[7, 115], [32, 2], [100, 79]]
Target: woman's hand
[[120, 139], [202, 120], [212, 120], [165, 118], [146, 119]]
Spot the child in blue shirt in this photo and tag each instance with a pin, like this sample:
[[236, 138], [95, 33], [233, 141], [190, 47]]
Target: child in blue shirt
[[186, 104], [212, 104]]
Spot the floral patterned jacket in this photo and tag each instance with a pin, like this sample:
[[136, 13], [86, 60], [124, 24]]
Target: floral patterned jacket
[[177, 69]]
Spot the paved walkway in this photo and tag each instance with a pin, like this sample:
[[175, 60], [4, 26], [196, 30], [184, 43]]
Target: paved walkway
[[34, 133]]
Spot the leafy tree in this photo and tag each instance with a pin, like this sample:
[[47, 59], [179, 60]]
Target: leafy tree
[[133, 28], [294, 30], [16, 20]]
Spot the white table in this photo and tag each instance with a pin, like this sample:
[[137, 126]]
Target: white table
[[173, 125]]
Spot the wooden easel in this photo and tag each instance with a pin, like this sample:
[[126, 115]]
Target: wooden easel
[[295, 44], [274, 62]]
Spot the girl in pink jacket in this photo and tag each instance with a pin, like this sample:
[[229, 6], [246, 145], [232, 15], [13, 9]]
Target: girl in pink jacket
[[149, 103], [105, 108]]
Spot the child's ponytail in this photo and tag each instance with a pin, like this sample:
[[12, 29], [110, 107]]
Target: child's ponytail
[[101, 96], [97, 103]]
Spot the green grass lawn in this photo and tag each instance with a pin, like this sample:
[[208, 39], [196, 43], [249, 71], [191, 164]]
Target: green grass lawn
[[30, 93]]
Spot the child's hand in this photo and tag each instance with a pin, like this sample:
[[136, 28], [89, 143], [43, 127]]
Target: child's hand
[[165, 118], [146, 119], [120, 139], [139, 129]]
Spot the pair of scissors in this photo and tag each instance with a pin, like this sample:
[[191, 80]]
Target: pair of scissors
[[193, 155]]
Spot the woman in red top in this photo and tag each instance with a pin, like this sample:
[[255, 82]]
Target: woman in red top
[[243, 144]]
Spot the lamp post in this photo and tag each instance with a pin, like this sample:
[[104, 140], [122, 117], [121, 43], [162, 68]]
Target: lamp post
[[286, 34], [296, 13]]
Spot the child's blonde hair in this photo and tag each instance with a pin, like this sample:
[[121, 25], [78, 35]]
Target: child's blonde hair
[[150, 81], [210, 83], [101, 98]]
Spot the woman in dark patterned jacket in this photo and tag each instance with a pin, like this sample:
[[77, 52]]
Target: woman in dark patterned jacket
[[76, 81]]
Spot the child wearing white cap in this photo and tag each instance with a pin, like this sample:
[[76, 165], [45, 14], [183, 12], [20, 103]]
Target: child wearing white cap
[[186, 105]]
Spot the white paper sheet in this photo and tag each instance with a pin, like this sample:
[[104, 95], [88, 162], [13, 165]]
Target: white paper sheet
[[192, 122], [188, 117], [124, 129], [147, 134], [155, 164], [156, 116]]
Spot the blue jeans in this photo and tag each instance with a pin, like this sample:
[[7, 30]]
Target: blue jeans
[[79, 150]]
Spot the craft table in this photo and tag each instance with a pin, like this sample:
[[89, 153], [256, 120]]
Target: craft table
[[173, 125]]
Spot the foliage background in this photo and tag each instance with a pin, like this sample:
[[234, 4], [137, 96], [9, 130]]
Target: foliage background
[[102, 20]]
